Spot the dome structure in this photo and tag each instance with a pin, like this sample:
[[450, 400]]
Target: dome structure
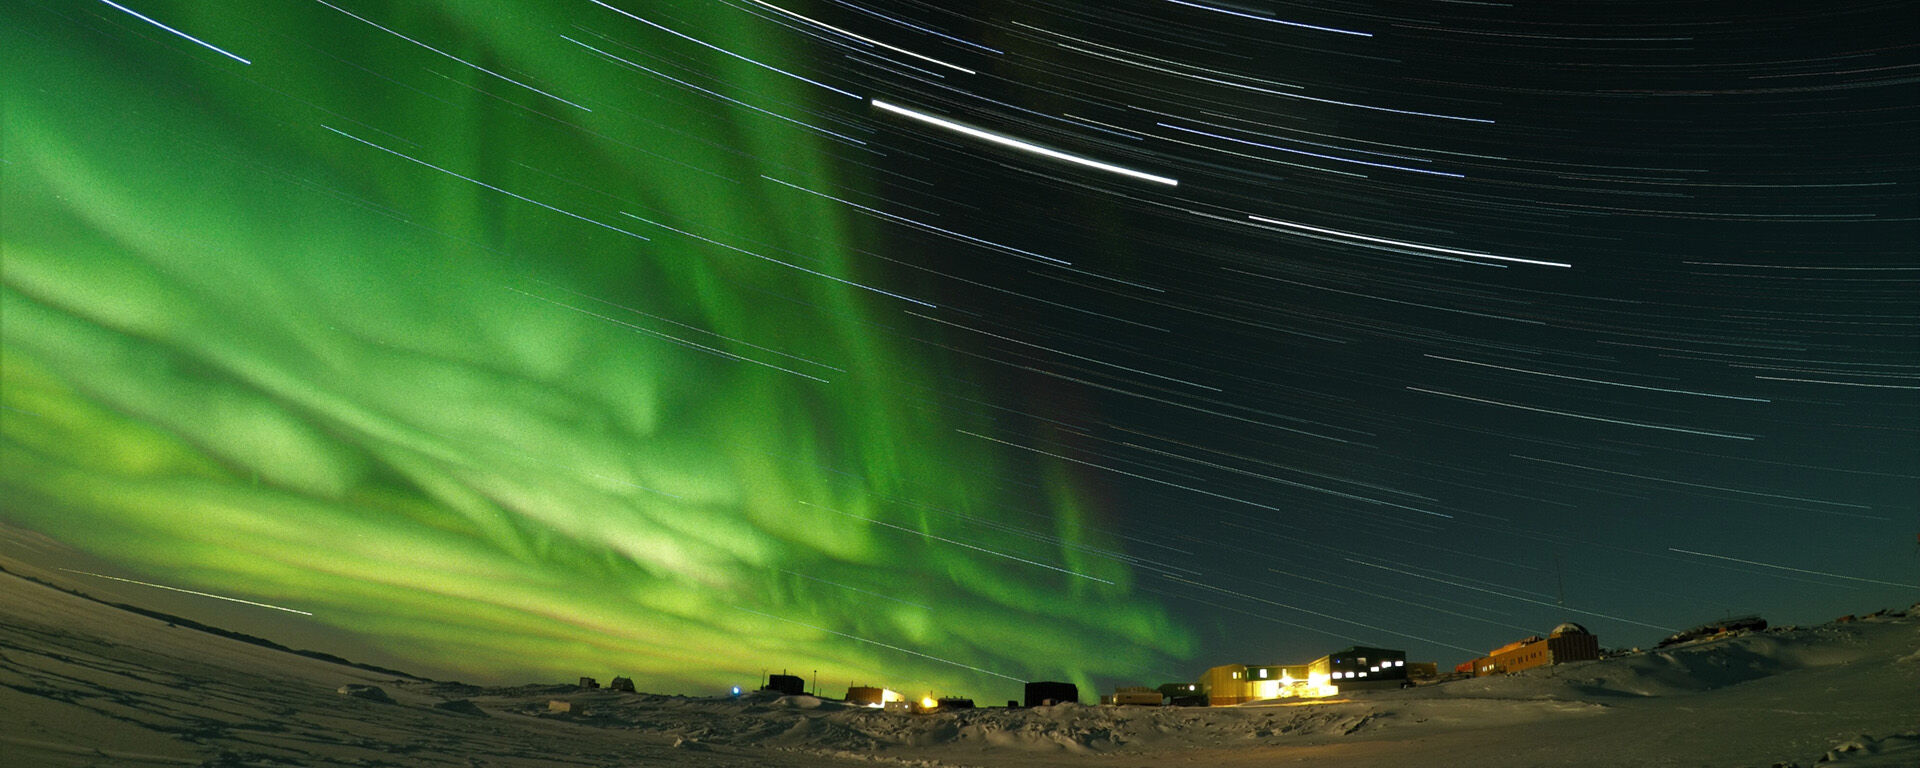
[[1569, 628]]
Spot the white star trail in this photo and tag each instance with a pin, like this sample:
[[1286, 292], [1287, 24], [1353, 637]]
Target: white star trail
[[1795, 570], [189, 592], [1024, 146], [178, 33]]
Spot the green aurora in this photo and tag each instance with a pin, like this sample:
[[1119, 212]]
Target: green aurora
[[247, 351]]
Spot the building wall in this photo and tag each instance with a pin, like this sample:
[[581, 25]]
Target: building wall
[[1137, 697], [1572, 647], [1040, 693], [1528, 656], [1231, 684], [1538, 653], [1363, 667], [1226, 685], [1277, 681]]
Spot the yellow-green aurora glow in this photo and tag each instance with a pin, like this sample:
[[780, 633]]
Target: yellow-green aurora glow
[[250, 352]]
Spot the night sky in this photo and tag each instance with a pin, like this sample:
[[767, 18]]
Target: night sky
[[946, 346]]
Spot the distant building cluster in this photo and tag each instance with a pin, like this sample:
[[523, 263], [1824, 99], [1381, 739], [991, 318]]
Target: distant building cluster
[[1722, 628], [1355, 668]]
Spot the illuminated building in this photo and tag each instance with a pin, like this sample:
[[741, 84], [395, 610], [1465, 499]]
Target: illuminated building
[[870, 696], [1135, 695], [1232, 684], [1361, 668], [929, 704], [1567, 642], [1225, 685]]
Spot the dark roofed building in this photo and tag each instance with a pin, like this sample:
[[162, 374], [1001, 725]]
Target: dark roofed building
[[1041, 694], [1361, 668], [791, 685]]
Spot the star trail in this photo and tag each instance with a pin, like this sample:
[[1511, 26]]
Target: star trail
[[948, 345]]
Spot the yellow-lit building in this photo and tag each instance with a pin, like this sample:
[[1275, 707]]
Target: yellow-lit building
[[1224, 685], [1232, 684], [1134, 696], [870, 696], [1567, 642]]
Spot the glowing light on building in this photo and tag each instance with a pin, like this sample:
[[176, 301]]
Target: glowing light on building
[[1319, 684]]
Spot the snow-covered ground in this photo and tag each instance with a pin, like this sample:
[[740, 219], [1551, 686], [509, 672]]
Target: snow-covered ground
[[85, 684]]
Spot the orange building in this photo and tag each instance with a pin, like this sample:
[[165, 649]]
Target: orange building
[[1567, 642]]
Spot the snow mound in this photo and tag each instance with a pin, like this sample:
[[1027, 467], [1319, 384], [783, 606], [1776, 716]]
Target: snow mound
[[461, 706], [1688, 669], [368, 692], [1901, 749]]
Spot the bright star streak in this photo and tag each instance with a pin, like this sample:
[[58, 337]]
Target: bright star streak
[[187, 591], [1284, 481], [1841, 383], [1025, 146], [1403, 243], [1335, 158], [1709, 487], [202, 43], [1785, 568], [1503, 594], [1602, 381], [1640, 424], [1270, 19]]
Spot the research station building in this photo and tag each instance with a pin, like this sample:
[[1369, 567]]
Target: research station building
[[1567, 642]]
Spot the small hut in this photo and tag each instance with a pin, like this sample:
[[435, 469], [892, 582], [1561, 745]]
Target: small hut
[[791, 685], [1046, 693]]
